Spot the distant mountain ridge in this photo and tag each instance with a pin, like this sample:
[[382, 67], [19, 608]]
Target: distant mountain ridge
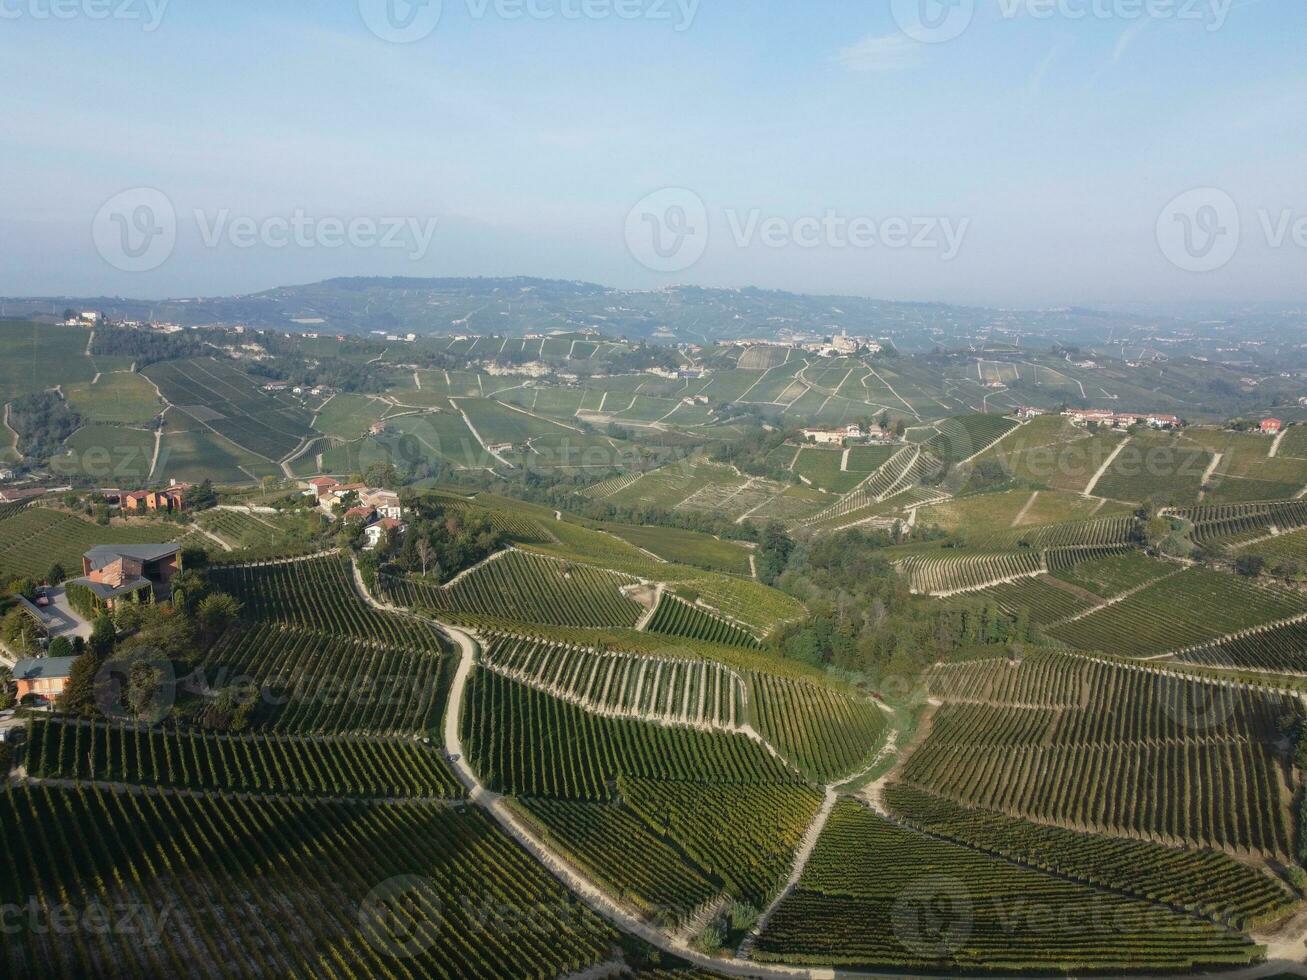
[[518, 305]]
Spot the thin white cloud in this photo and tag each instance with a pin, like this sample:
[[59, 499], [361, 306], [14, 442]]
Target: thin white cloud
[[1035, 83], [1128, 37], [880, 53]]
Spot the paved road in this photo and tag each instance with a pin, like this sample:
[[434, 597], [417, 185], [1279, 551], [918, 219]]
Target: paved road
[[60, 618]]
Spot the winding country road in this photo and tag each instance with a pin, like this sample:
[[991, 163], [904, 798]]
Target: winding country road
[[628, 921]]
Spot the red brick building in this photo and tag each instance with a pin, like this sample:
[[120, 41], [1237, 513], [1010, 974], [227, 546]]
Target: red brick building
[[171, 500]]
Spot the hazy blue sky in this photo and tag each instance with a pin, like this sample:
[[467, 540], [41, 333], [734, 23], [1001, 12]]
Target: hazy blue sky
[[1050, 145]]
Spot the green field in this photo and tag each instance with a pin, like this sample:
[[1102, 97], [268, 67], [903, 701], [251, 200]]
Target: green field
[[125, 398], [191, 453], [1160, 467], [1051, 452], [1013, 510], [870, 884], [109, 455], [497, 424], [687, 548], [986, 720], [33, 358], [349, 417], [1148, 622]]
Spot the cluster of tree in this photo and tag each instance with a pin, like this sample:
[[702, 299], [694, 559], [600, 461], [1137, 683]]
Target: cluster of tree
[[863, 619], [200, 497], [753, 453], [641, 357], [141, 665], [330, 372], [20, 633], [441, 542], [43, 421], [147, 347]]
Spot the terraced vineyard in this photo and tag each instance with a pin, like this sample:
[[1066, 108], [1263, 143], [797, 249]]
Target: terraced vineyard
[[1115, 574], [602, 838], [518, 523], [969, 435], [1103, 532], [1044, 601], [621, 685], [1083, 775], [34, 538], [304, 679], [1209, 882], [1290, 547], [530, 588], [1146, 623], [744, 835], [1156, 466], [826, 734], [686, 547], [904, 469], [10, 508], [366, 881], [871, 897], [676, 617], [526, 743], [1280, 649], [1088, 745], [969, 572], [235, 528], [340, 767], [317, 594], [1233, 523]]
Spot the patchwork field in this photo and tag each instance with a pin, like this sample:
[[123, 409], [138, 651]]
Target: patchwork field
[[191, 453], [1005, 729], [349, 417], [862, 896], [1050, 451], [219, 397]]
